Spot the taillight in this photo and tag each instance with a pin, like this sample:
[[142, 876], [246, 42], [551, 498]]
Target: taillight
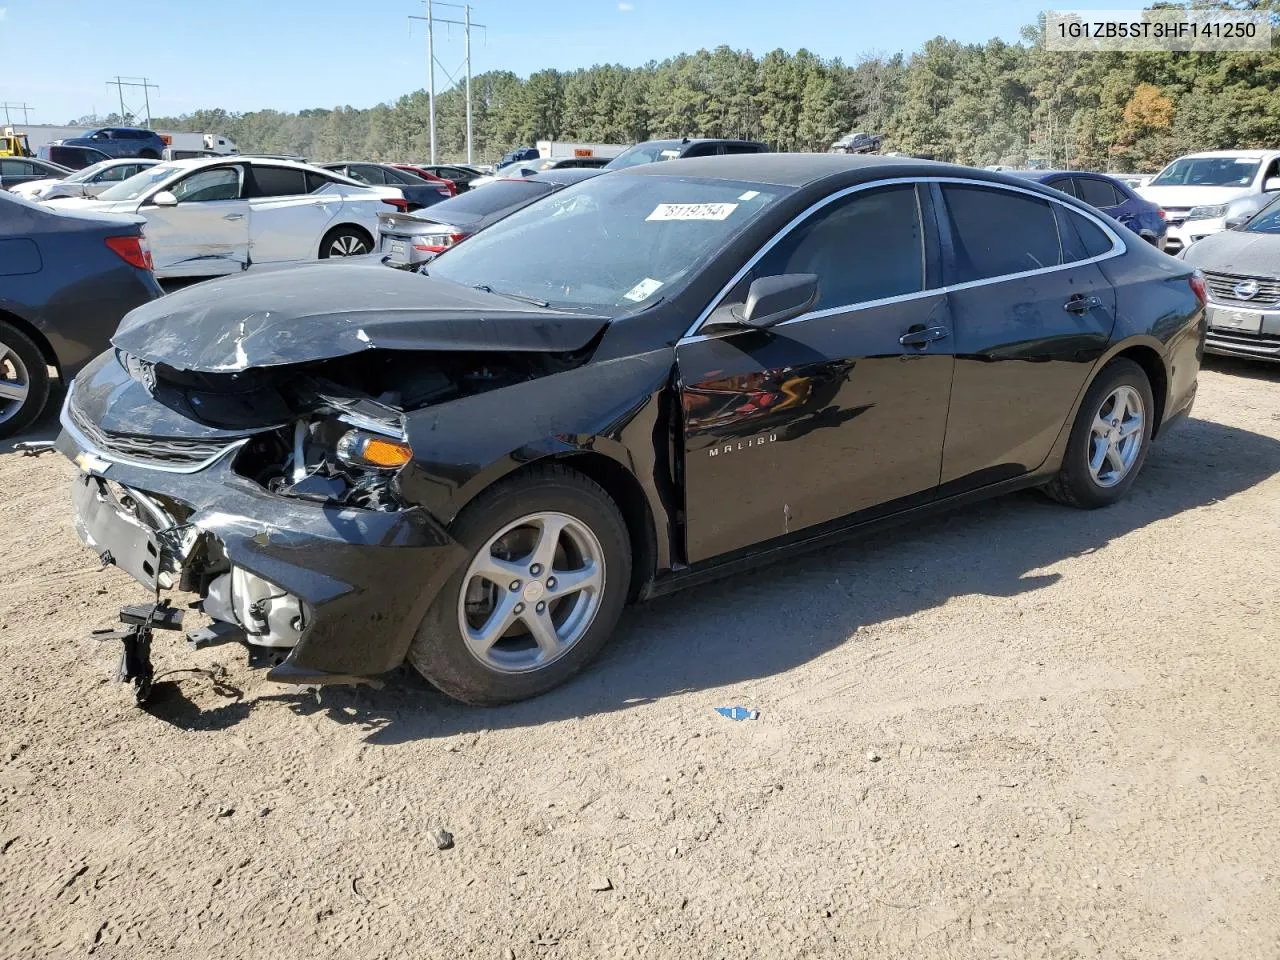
[[400, 203], [134, 251], [438, 242], [1198, 288], [1163, 215]]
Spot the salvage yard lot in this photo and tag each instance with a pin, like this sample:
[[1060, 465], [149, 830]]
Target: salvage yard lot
[[1020, 731]]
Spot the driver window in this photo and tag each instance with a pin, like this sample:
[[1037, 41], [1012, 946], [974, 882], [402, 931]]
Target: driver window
[[1273, 170], [866, 246], [113, 174], [222, 183]]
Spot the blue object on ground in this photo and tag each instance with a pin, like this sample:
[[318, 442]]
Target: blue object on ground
[[738, 713]]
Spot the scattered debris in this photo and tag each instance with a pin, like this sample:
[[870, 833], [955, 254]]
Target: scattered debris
[[873, 756], [508, 954], [738, 713], [442, 837], [33, 448], [226, 811], [601, 884], [264, 811], [1202, 778]]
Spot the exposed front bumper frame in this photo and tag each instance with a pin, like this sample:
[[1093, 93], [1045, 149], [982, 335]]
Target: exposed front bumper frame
[[366, 577]]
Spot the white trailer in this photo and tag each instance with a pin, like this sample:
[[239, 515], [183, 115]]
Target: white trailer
[[561, 150]]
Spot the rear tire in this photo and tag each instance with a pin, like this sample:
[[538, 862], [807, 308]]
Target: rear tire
[[24, 381], [1103, 459], [345, 241], [462, 646]]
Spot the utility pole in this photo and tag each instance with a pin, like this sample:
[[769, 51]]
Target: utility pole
[[24, 107], [431, 20], [146, 85]]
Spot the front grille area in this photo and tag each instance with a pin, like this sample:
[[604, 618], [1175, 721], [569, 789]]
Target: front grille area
[[161, 451], [1222, 288]]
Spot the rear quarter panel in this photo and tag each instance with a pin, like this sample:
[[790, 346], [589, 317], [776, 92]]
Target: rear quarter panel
[[1156, 307]]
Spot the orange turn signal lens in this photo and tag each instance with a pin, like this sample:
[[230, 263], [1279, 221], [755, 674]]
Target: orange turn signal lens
[[370, 450]]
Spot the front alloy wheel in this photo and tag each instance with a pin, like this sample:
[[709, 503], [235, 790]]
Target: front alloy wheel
[[547, 577], [532, 592]]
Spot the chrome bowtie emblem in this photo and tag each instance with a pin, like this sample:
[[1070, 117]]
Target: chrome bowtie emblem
[[1246, 289]]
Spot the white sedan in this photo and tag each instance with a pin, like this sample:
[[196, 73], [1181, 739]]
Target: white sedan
[[220, 215], [90, 182]]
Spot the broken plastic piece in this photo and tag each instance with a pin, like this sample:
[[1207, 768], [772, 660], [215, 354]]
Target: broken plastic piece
[[738, 713]]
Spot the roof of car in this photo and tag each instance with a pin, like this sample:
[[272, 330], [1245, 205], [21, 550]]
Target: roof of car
[[192, 163], [1046, 174], [564, 175], [1232, 154], [794, 169]]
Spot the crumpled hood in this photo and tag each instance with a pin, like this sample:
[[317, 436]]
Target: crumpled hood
[[1184, 196], [331, 309], [1236, 252]]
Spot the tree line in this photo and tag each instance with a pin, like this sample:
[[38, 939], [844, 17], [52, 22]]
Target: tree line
[[981, 104]]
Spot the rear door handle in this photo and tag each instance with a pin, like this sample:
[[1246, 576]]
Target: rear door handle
[[922, 336], [1081, 304], [234, 216]]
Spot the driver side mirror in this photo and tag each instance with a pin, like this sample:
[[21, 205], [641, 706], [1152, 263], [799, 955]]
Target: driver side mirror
[[164, 199], [1235, 223], [771, 300], [1271, 185]]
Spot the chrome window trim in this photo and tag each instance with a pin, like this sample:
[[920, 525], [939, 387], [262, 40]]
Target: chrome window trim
[[88, 446], [1118, 248]]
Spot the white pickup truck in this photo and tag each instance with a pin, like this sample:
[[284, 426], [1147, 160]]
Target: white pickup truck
[[1198, 191]]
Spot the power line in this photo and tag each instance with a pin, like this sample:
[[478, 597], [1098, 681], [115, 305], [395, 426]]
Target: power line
[[147, 86], [24, 107], [431, 20]]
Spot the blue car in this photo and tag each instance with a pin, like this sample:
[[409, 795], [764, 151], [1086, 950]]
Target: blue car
[[120, 142], [1111, 196]]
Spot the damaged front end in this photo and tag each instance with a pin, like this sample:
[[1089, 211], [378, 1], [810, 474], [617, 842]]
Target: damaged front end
[[274, 493]]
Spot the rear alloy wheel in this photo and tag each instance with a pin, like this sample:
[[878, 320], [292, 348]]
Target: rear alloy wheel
[[24, 381], [548, 574], [1109, 439], [345, 242]]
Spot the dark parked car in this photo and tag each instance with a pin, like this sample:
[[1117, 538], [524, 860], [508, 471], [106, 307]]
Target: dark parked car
[[408, 241], [71, 157], [653, 151], [648, 379], [450, 188], [1110, 195], [16, 170], [66, 279], [120, 142], [517, 155], [420, 193], [1241, 268], [459, 176]]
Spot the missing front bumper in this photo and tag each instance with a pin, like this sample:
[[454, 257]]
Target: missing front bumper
[[353, 584]]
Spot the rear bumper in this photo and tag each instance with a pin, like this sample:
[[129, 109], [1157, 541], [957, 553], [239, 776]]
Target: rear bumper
[[364, 578]]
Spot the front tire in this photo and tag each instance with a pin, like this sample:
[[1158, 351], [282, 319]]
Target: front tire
[[1109, 440], [24, 381], [345, 242], [547, 578]]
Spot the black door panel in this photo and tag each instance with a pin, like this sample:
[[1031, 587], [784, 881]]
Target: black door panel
[[810, 421]]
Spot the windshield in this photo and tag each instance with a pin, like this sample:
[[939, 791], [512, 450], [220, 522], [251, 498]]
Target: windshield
[[611, 241], [645, 153], [475, 204], [1266, 220], [1208, 172], [139, 183], [82, 175]]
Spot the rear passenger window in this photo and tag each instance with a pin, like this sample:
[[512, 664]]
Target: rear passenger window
[[867, 246], [1098, 193], [315, 181], [998, 232], [1064, 184], [1096, 243], [279, 182]]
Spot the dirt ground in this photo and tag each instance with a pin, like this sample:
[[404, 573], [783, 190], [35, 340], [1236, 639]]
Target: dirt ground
[[1021, 731]]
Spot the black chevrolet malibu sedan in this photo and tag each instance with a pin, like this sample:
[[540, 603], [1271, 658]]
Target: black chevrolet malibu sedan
[[645, 380]]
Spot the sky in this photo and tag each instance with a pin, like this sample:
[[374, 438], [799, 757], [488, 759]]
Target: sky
[[289, 54]]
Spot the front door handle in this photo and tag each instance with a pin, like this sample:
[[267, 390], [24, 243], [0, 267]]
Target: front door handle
[[234, 216], [1081, 304], [921, 336]]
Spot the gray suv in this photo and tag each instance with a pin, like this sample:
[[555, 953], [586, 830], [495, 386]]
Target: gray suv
[[652, 151]]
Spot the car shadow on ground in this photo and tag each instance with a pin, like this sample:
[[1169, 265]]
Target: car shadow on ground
[[1241, 367], [788, 613]]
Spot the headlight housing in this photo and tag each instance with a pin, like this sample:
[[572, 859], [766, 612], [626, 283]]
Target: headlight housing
[[1208, 211]]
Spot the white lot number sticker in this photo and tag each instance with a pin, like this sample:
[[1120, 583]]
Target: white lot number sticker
[[692, 211], [642, 290]]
